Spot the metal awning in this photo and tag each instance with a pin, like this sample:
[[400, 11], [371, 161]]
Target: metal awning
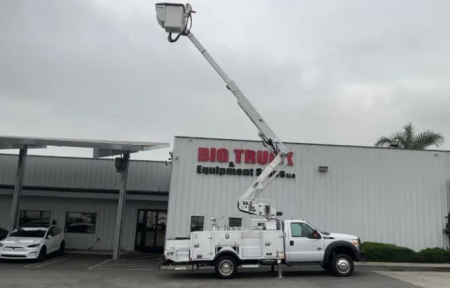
[[101, 148]]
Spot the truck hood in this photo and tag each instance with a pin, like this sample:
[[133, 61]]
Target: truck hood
[[338, 236]]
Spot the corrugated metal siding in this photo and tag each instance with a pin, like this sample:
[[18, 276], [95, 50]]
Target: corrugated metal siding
[[85, 173], [106, 218], [385, 195]]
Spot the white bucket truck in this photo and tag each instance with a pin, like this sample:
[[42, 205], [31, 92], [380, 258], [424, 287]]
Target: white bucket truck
[[268, 241]]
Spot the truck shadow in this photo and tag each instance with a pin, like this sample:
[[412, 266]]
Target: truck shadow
[[209, 274]]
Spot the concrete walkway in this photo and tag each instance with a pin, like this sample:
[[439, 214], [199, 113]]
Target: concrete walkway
[[419, 278], [406, 265]]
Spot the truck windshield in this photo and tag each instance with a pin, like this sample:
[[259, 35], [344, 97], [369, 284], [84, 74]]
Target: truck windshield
[[28, 233]]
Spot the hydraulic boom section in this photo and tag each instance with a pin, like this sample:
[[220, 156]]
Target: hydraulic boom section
[[177, 18]]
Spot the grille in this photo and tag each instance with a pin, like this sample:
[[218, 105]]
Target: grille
[[13, 256]]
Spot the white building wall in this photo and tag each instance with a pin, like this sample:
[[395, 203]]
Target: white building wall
[[65, 184], [384, 195], [85, 173], [106, 210]]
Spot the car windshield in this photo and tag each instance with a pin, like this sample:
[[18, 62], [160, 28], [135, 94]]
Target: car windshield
[[28, 233]]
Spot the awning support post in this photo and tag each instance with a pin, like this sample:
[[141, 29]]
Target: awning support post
[[123, 170], [15, 207]]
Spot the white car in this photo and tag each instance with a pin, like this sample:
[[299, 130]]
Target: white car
[[32, 242]]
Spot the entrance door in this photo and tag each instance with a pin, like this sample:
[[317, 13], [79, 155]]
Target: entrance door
[[151, 230]]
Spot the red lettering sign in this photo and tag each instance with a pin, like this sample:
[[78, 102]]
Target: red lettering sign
[[247, 156], [203, 154], [238, 154], [250, 157], [222, 155]]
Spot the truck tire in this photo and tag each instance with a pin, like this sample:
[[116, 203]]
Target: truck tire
[[226, 267], [342, 265]]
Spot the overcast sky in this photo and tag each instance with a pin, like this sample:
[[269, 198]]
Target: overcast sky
[[335, 72]]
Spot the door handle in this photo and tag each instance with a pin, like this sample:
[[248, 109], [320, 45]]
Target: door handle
[[291, 243], [319, 248]]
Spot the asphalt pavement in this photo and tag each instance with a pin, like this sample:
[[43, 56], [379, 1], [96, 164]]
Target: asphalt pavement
[[141, 270]]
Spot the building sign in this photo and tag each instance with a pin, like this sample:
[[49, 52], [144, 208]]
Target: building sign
[[238, 156]]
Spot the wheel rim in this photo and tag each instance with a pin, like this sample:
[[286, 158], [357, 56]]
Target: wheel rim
[[226, 267], [343, 265]]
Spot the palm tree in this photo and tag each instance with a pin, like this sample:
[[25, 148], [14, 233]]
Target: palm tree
[[408, 139]]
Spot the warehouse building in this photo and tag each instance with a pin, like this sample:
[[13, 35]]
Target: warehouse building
[[385, 195], [80, 195]]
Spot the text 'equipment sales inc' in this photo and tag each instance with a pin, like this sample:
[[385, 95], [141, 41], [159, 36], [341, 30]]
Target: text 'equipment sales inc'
[[238, 156]]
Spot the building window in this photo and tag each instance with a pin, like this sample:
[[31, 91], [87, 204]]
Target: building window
[[235, 222], [34, 217], [197, 223], [78, 222]]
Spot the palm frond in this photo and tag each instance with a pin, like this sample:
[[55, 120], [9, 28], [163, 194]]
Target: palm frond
[[408, 139], [383, 142], [408, 135], [426, 139]]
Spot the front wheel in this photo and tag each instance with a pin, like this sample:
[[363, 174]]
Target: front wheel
[[62, 248], [226, 267], [342, 265], [42, 254]]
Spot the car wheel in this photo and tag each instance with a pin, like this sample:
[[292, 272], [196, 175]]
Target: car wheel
[[342, 265], [42, 254], [226, 267], [62, 248]]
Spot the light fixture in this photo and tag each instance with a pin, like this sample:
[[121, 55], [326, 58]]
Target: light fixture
[[323, 169]]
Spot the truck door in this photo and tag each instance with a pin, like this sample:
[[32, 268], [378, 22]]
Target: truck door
[[301, 245]]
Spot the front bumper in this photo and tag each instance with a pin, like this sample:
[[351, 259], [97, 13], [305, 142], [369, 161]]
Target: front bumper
[[19, 253], [360, 256]]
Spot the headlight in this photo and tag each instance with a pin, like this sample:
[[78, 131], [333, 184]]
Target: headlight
[[355, 242], [34, 245]]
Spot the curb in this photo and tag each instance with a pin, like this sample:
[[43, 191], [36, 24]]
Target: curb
[[411, 265]]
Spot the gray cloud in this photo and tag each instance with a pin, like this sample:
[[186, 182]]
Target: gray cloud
[[342, 72]]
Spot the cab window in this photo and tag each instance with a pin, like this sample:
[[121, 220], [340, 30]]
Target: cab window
[[301, 230]]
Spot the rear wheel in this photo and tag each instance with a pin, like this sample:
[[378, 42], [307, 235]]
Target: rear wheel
[[342, 265], [226, 267], [62, 248], [42, 254]]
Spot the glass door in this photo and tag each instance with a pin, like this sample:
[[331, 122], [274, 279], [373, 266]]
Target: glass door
[[151, 230]]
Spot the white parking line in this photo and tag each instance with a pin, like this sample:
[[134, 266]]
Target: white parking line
[[96, 265], [55, 260]]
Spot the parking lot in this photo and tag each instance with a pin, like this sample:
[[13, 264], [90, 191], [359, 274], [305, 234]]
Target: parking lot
[[142, 270]]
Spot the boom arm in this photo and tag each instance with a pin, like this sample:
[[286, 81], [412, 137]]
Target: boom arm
[[249, 201]]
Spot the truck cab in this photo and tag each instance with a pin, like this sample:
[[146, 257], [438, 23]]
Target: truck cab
[[304, 244]]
